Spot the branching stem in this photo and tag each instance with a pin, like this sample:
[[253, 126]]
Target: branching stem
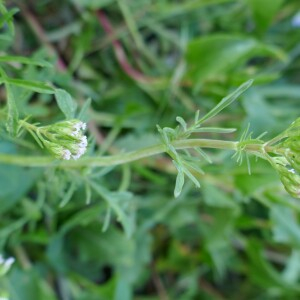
[[122, 158]]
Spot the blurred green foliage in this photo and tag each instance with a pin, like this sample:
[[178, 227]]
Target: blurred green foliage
[[117, 232]]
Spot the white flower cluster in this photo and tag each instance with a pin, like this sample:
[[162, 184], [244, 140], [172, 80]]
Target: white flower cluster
[[77, 127], [80, 142], [65, 140]]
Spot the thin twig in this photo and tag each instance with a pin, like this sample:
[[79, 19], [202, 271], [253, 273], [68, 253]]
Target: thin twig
[[160, 288], [22, 257], [119, 51]]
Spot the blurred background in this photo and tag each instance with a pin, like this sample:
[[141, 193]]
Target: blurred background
[[132, 64]]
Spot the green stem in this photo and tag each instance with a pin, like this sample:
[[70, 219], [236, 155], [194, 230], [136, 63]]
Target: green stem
[[122, 158]]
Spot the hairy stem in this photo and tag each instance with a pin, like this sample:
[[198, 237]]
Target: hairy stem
[[122, 158]]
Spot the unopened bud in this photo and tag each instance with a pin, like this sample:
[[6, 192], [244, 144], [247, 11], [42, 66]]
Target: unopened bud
[[290, 179]]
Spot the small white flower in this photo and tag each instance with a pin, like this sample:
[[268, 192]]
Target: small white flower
[[66, 154], [75, 132], [81, 151], [77, 127], [83, 142], [292, 171]]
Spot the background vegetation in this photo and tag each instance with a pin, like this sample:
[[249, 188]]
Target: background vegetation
[[118, 232]]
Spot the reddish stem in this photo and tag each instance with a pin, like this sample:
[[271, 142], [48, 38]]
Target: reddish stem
[[119, 51]]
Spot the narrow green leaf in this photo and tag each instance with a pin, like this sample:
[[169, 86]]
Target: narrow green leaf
[[214, 130], [191, 176], [12, 111], [106, 219], [114, 200], [264, 12], [25, 60], [182, 123], [248, 163], [179, 183], [36, 86], [203, 154], [226, 101], [83, 114], [65, 102], [197, 116], [13, 114], [68, 195], [194, 166], [291, 272], [8, 16], [88, 194], [35, 137]]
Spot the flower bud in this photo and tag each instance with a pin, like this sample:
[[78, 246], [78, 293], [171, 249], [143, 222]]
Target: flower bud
[[290, 180]]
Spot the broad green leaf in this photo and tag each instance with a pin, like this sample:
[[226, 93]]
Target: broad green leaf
[[218, 234], [113, 247], [15, 181], [214, 196], [66, 103], [262, 117], [291, 272], [263, 273], [264, 12], [123, 290], [5, 41], [29, 285], [14, 184], [285, 226], [216, 55]]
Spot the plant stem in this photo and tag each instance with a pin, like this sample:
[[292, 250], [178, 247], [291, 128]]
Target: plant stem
[[122, 158]]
